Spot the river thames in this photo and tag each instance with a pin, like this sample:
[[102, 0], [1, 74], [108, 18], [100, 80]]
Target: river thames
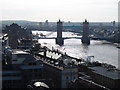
[[102, 51]]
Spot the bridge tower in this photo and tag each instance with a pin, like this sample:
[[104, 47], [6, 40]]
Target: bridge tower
[[85, 37], [59, 39]]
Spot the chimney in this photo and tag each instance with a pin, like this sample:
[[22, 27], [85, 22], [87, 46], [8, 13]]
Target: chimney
[[45, 54]]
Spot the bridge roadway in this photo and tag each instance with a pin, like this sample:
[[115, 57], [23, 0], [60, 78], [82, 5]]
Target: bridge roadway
[[93, 38], [56, 37]]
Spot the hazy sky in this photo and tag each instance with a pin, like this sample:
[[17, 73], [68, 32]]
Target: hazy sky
[[66, 10]]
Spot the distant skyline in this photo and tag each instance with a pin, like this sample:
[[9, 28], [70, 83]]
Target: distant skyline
[[66, 10]]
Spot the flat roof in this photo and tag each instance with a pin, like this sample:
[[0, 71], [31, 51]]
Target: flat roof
[[105, 72]]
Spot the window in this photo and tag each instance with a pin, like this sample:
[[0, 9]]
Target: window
[[15, 60], [9, 81], [30, 63], [67, 77], [35, 70], [31, 70], [34, 63]]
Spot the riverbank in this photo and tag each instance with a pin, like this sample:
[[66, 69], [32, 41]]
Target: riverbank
[[104, 52]]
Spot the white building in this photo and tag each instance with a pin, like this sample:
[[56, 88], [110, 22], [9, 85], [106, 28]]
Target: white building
[[62, 70]]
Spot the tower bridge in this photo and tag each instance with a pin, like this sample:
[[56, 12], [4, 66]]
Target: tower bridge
[[85, 37]]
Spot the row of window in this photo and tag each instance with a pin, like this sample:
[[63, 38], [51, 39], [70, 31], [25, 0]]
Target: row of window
[[12, 81], [70, 77], [11, 75], [32, 64]]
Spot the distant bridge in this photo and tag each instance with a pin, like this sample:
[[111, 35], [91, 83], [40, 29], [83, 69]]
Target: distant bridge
[[94, 37], [56, 37]]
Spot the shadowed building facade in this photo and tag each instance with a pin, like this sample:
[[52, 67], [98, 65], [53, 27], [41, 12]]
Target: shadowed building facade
[[85, 37], [59, 39], [16, 32]]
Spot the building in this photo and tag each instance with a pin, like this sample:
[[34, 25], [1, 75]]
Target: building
[[107, 77], [11, 79], [58, 67], [3, 44], [20, 69], [16, 32]]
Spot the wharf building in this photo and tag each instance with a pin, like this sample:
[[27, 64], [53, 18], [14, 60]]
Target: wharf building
[[55, 69], [107, 77], [60, 68], [103, 74], [63, 70]]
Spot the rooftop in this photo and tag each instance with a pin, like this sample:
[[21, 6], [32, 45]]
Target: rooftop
[[57, 60], [18, 51], [106, 72], [51, 55]]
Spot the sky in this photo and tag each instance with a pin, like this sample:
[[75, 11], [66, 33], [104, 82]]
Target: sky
[[66, 10]]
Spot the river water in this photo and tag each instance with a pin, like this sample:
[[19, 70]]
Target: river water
[[102, 51]]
